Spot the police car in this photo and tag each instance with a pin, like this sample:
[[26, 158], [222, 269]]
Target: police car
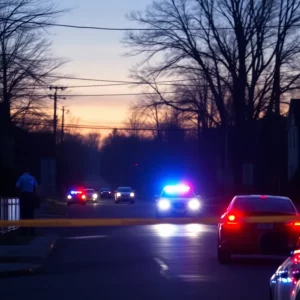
[[285, 282], [178, 200], [77, 196]]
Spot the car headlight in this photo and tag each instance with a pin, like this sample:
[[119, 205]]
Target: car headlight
[[194, 204], [118, 194], [69, 197], [131, 194], [95, 196], [164, 204]]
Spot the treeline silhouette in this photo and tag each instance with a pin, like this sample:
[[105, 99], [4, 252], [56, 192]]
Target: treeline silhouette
[[148, 162]]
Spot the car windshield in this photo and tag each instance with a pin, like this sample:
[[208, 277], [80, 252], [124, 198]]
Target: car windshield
[[265, 204], [124, 189], [188, 194], [105, 190]]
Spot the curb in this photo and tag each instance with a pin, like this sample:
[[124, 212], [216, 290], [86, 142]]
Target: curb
[[51, 215], [14, 269]]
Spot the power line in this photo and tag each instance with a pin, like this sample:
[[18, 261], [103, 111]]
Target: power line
[[72, 26], [101, 95], [111, 81], [73, 126]]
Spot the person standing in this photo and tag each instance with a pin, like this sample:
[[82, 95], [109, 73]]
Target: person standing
[[27, 186]]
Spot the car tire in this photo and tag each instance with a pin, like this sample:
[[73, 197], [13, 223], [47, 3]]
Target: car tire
[[132, 202], [116, 202], [69, 204], [224, 257]]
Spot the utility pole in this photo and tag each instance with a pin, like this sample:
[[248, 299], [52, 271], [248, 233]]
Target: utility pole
[[55, 88], [62, 124]]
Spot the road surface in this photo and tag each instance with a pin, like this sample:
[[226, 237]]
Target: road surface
[[141, 262]]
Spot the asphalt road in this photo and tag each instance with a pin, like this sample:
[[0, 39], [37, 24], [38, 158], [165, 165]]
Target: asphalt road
[[142, 262]]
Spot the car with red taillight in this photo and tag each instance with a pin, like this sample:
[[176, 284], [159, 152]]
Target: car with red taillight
[[77, 196], [285, 282], [236, 235]]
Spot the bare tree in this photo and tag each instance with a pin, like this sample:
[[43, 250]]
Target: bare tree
[[237, 46], [151, 108], [136, 123], [26, 60], [92, 140], [25, 64]]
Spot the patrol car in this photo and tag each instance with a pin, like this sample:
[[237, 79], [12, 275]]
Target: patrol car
[[178, 200]]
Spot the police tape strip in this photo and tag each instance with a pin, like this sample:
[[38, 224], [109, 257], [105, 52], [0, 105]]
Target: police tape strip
[[139, 221]]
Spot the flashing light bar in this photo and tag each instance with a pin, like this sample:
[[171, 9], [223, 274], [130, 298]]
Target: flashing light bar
[[75, 192], [179, 188]]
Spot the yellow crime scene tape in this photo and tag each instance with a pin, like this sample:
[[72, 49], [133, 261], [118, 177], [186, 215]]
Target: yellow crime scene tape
[[141, 221]]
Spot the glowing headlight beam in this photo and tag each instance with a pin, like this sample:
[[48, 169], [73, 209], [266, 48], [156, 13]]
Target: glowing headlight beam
[[164, 204], [194, 204]]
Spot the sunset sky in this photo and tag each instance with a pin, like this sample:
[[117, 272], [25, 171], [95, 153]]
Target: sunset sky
[[96, 54]]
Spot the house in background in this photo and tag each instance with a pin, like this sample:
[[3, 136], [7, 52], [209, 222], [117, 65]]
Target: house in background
[[294, 139]]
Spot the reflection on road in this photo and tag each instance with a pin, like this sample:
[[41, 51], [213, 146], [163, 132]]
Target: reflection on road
[[171, 230]]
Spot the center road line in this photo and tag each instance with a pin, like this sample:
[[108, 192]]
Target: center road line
[[85, 237], [194, 278], [163, 267]]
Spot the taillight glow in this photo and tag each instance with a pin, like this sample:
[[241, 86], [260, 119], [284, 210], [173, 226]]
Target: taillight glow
[[83, 197], [231, 218], [263, 197], [294, 224]]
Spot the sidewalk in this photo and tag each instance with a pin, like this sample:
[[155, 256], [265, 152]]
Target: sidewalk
[[27, 258], [23, 256]]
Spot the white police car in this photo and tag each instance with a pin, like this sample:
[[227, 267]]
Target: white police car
[[285, 282], [178, 200]]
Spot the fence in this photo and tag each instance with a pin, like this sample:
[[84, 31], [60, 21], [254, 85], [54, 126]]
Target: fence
[[9, 211]]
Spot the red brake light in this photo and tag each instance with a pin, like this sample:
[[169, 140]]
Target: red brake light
[[231, 218], [294, 225], [83, 197], [263, 197]]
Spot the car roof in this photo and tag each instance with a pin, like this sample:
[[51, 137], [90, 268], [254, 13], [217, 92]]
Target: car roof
[[258, 196]]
